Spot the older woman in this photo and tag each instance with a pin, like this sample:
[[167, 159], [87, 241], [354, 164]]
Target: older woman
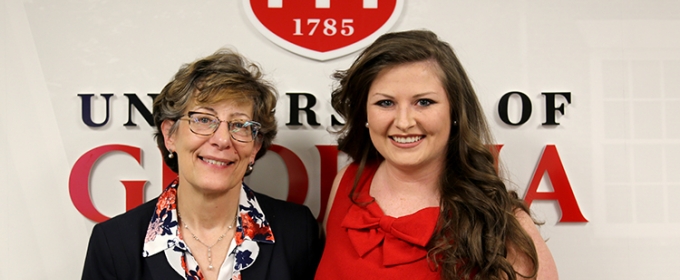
[[213, 120], [422, 198]]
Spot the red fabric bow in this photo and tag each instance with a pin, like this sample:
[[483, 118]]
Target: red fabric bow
[[403, 239]]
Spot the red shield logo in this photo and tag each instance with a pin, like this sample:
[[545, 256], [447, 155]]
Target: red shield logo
[[323, 29]]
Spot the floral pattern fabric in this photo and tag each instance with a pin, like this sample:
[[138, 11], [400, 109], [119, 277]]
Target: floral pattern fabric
[[163, 234]]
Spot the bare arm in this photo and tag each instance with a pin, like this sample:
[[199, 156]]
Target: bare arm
[[331, 196], [547, 270]]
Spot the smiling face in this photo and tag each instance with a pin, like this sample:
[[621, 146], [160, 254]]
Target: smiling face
[[216, 163], [409, 115]]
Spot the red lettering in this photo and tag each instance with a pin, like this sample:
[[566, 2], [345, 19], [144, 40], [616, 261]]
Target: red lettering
[[298, 181], [134, 193], [550, 162], [79, 181], [495, 151]]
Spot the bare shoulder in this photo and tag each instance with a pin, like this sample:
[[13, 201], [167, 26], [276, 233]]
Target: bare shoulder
[[547, 270], [331, 196]]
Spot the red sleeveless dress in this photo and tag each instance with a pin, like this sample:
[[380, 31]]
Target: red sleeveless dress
[[363, 243]]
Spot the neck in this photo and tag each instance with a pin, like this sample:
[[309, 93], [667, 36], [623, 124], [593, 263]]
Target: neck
[[413, 180], [206, 211]]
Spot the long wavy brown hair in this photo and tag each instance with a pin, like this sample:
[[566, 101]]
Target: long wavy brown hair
[[477, 220]]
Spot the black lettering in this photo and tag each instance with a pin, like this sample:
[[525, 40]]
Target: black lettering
[[86, 108], [295, 108], [134, 101], [503, 108], [550, 106]]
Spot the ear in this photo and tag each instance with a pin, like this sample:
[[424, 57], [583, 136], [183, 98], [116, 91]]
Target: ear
[[169, 138], [256, 148]]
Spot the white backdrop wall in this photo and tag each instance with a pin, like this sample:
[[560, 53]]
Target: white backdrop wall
[[618, 139]]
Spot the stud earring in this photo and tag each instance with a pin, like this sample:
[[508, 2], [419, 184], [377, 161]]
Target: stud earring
[[455, 122], [366, 124], [250, 167], [171, 154]]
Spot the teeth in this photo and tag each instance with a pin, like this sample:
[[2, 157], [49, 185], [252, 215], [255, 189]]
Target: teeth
[[405, 140], [215, 162]]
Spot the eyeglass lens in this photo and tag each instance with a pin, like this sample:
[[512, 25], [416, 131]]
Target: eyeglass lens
[[206, 124]]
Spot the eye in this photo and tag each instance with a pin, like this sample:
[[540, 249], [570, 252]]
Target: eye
[[385, 103], [238, 125], [425, 102], [204, 119]]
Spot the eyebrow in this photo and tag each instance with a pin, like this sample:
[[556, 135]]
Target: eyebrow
[[240, 114], [419, 95], [215, 112], [382, 94], [424, 94]]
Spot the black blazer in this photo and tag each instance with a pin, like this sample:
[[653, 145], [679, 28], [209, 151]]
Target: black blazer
[[115, 248]]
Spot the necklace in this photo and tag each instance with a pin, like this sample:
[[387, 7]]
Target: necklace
[[210, 266]]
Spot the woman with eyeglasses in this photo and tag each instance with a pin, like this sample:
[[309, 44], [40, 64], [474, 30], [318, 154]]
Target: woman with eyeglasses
[[214, 119]]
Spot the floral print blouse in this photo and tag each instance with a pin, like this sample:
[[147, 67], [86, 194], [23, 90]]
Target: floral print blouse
[[163, 235]]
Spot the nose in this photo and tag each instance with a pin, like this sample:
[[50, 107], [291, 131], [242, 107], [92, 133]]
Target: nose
[[222, 137], [404, 119]]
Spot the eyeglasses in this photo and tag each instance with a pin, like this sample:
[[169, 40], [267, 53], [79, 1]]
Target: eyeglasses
[[206, 125]]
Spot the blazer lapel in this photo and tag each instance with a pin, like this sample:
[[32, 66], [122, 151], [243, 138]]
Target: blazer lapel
[[157, 267], [260, 269]]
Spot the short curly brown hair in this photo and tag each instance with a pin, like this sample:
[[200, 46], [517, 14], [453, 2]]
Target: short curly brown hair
[[224, 75]]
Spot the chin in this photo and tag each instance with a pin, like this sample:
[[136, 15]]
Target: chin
[[221, 185]]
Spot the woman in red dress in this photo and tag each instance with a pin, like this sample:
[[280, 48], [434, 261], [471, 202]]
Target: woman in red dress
[[422, 198]]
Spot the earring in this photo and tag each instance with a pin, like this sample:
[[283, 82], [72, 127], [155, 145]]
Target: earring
[[455, 122], [250, 167], [366, 124], [171, 154]]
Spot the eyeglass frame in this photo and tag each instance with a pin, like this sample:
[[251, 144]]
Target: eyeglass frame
[[254, 126]]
